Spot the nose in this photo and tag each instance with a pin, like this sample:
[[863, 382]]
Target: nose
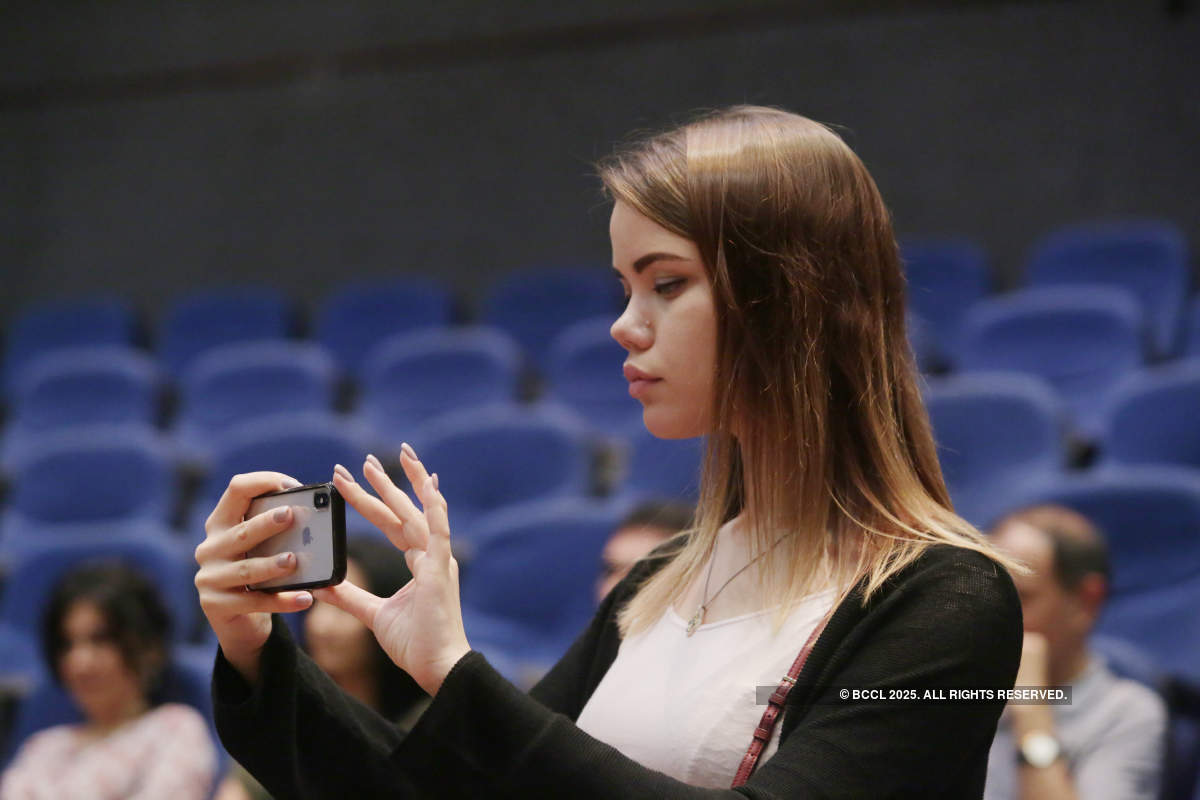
[[632, 330]]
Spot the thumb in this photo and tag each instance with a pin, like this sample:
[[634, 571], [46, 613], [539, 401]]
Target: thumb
[[357, 602]]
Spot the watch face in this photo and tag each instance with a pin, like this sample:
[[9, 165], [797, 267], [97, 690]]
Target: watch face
[[1040, 749]]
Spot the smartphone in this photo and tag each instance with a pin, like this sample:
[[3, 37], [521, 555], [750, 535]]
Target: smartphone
[[317, 536]]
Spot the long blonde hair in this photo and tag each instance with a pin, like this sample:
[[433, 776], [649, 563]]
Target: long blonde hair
[[819, 428]]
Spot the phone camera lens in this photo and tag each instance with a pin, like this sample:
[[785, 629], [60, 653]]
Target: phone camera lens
[[321, 499]]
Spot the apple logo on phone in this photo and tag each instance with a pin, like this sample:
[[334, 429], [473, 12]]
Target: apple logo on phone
[[307, 535]]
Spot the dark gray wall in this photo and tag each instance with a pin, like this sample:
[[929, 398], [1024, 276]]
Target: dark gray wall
[[999, 122]]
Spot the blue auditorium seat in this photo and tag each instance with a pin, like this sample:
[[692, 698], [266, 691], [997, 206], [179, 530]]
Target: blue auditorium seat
[[304, 445], [1154, 417], [1191, 344], [998, 435], [21, 666], [38, 568], [494, 456], [234, 384], [536, 305], [1146, 257], [93, 474], [52, 325], [410, 378], [80, 386], [945, 277], [361, 315], [1083, 340], [927, 352], [663, 469], [1150, 517], [510, 617], [202, 320], [583, 373]]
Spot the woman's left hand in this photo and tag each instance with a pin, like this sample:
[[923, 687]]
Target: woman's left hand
[[420, 627]]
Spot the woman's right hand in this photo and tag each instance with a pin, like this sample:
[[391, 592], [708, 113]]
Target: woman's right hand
[[241, 618]]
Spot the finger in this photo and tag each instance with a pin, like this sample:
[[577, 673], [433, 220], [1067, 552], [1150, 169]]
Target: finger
[[437, 519], [405, 510], [229, 604], [245, 572], [376, 511], [353, 600], [414, 470], [243, 536], [235, 501]]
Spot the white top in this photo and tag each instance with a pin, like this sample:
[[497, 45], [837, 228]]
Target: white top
[[686, 706]]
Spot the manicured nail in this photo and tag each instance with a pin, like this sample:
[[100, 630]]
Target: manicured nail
[[375, 462], [435, 484], [290, 483], [345, 473], [282, 514], [283, 559], [408, 451], [303, 600]]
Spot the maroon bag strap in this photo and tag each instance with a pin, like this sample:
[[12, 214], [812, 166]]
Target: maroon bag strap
[[762, 734]]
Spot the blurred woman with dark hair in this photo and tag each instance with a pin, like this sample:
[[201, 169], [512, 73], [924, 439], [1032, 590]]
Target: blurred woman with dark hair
[[104, 637]]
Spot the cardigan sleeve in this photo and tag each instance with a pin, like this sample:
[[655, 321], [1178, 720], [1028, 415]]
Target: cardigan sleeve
[[482, 737]]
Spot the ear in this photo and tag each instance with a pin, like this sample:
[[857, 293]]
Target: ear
[[1091, 593]]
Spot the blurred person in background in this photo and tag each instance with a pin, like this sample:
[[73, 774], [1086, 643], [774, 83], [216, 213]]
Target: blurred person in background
[[644, 528], [348, 652], [1110, 741], [105, 640]]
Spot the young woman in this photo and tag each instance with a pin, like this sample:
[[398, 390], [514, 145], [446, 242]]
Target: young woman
[[766, 312], [105, 640]]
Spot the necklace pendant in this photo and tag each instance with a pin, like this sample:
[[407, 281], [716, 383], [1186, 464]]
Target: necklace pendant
[[694, 622]]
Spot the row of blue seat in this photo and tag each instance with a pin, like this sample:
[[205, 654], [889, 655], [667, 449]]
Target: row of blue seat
[[1147, 258], [531, 306]]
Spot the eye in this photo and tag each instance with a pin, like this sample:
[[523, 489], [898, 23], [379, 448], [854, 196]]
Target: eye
[[670, 287]]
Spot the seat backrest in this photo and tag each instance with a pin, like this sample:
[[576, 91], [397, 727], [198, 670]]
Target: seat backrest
[[95, 473], [66, 323], [945, 277], [410, 378], [583, 373], [1146, 257], [534, 306], [200, 321], [503, 454], [1151, 417], [1083, 340], [358, 317], [559, 541], [234, 384], [664, 469]]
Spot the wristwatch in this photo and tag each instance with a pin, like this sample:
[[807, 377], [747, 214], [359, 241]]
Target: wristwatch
[[1038, 749]]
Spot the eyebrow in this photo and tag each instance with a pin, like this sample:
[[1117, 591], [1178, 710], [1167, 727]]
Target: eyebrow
[[640, 265]]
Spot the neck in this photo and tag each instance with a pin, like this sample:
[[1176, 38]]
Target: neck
[[111, 719], [1067, 667], [360, 685]]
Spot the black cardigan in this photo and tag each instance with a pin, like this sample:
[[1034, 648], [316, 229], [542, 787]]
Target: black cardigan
[[951, 620]]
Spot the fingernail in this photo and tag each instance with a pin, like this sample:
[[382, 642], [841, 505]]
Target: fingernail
[[435, 483], [375, 462], [282, 513], [408, 451], [290, 483], [283, 559], [304, 600], [345, 473]]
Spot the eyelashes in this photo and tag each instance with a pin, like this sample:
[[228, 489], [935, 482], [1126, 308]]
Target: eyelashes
[[665, 288]]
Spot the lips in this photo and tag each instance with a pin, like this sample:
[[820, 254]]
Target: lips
[[639, 381]]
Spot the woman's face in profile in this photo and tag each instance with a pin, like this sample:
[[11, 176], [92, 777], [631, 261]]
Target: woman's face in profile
[[93, 668], [669, 326], [338, 642]]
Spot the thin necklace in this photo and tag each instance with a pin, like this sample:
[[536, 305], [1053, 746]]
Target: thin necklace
[[698, 617]]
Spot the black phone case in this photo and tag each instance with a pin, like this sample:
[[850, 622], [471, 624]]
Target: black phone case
[[337, 507]]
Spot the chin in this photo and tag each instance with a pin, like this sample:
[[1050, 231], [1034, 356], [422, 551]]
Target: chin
[[664, 425]]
